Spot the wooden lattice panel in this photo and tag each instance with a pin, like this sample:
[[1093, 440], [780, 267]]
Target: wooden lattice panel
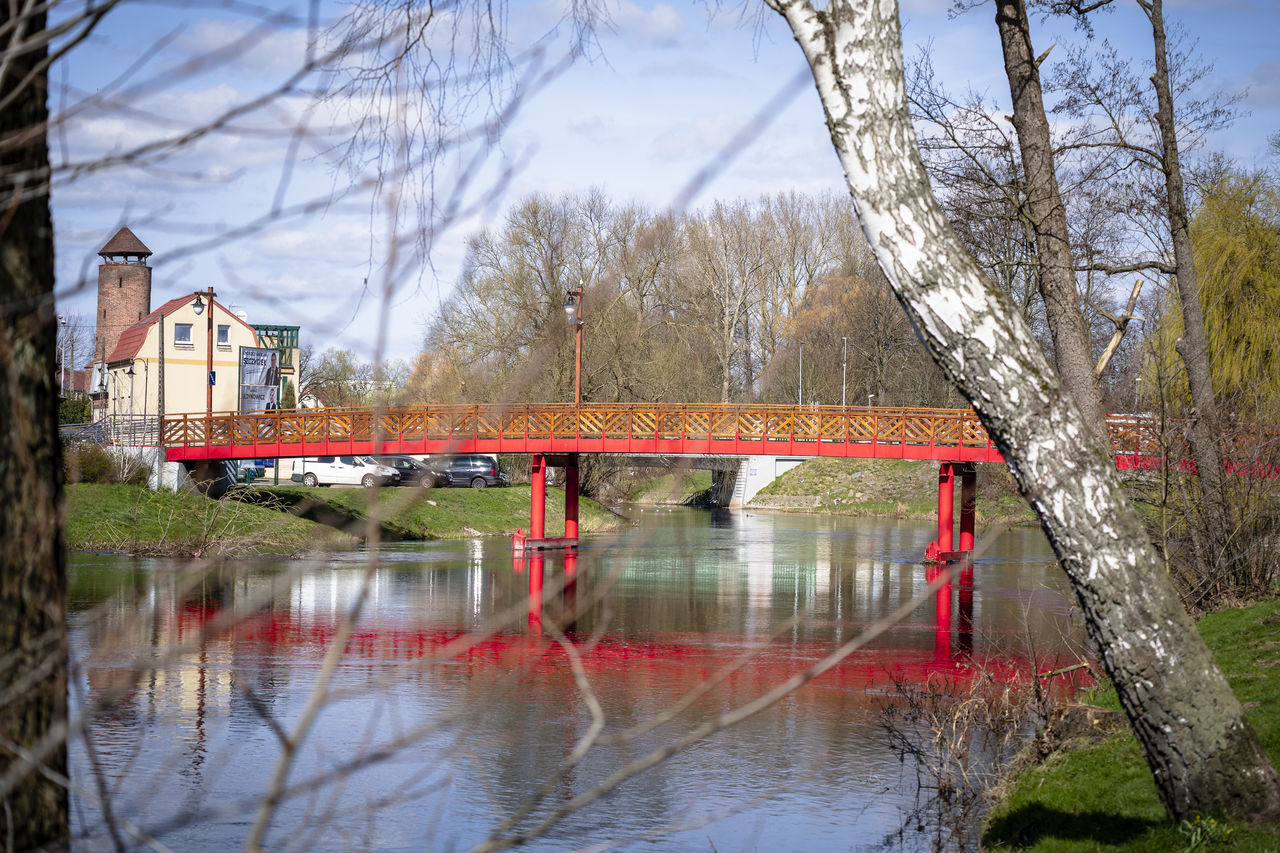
[[918, 430], [669, 424], [972, 432], [173, 432], [750, 425], [406, 423], [834, 427], [776, 424], [541, 423], [644, 423], [807, 426], [592, 422], [564, 422], [697, 423], [723, 424], [862, 428], [945, 431], [616, 424], [488, 423]]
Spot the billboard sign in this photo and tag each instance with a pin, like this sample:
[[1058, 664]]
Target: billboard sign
[[259, 379]]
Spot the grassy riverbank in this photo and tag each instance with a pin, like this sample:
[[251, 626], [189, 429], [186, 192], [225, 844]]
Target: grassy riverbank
[[688, 488], [1100, 796], [136, 520], [291, 520], [436, 513], [887, 488]]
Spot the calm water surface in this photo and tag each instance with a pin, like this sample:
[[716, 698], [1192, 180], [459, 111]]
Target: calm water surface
[[458, 701]]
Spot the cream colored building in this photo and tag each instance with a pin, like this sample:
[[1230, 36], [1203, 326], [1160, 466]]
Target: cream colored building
[[169, 349], [151, 362]]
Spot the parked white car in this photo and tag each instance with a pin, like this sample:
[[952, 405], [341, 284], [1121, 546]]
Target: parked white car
[[344, 471]]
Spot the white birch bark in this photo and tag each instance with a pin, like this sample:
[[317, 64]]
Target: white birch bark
[[1192, 730]]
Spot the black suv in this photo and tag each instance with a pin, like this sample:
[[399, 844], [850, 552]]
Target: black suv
[[467, 469], [411, 471]]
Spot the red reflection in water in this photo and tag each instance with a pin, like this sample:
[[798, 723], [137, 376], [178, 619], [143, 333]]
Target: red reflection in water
[[674, 659]]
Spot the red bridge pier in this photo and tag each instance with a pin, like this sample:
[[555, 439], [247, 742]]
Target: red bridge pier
[[537, 539], [941, 550]]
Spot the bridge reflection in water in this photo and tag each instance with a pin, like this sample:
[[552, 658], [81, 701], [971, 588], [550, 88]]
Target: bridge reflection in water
[[469, 705]]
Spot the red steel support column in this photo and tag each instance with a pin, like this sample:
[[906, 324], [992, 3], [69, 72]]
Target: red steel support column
[[571, 498], [538, 499], [968, 505], [946, 497]]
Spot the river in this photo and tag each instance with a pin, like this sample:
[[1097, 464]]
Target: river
[[459, 702]]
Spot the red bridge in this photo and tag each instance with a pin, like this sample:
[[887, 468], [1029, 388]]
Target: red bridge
[[557, 433]]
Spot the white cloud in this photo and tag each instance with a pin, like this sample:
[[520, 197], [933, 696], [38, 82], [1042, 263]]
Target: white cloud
[[1264, 84]]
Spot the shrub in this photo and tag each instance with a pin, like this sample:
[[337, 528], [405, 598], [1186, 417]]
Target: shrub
[[75, 409], [87, 463]]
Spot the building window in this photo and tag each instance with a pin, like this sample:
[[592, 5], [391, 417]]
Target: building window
[[182, 334], [224, 336]]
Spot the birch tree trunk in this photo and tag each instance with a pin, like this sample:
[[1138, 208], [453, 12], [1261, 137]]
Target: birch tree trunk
[[33, 637], [1048, 215], [1204, 755], [1193, 346]]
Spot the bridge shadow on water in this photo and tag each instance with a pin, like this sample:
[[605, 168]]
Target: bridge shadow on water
[[1030, 824]]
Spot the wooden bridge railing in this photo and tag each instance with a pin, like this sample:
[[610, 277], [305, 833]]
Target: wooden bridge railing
[[1139, 441], [535, 421]]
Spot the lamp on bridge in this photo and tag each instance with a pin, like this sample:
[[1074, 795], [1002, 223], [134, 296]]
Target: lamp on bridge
[[198, 307], [573, 310]]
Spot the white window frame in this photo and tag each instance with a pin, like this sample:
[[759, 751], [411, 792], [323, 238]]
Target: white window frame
[[224, 335], [179, 339]]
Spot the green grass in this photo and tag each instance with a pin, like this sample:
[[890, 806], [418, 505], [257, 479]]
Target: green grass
[[452, 513], [136, 520], [679, 487], [1102, 798], [888, 488]]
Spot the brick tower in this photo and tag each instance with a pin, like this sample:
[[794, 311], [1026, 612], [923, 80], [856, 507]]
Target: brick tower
[[124, 289]]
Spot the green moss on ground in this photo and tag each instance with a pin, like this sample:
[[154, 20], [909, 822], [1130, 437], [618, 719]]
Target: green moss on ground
[[1101, 797], [894, 488], [449, 513], [136, 520]]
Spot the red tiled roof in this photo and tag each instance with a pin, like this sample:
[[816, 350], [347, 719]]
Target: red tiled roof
[[132, 338], [124, 243]]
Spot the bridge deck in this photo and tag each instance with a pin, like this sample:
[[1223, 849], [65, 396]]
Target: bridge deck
[[707, 430]]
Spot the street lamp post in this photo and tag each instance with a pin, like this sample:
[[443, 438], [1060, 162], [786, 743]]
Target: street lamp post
[[130, 374], [198, 307], [844, 371], [573, 310], [62, 353], [800, 390]]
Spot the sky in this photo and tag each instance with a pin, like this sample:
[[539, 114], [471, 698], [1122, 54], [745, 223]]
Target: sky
[[284, 228]]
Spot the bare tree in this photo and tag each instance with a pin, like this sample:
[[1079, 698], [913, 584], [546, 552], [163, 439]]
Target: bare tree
[[1201, 750], [1047, 214]]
